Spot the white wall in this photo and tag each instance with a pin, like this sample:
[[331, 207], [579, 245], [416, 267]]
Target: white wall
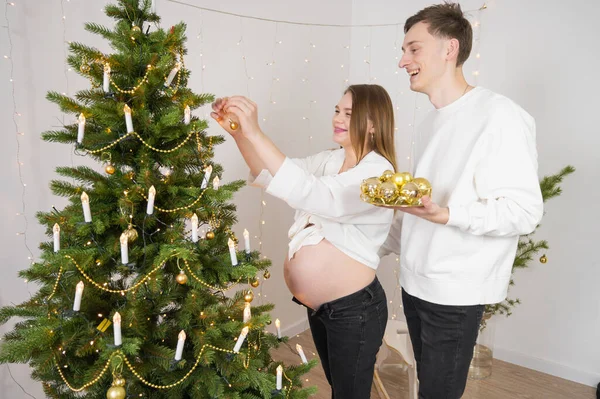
[[543, 55], [535, 62]]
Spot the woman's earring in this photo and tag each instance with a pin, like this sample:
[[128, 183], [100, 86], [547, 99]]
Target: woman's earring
[[372, 137]]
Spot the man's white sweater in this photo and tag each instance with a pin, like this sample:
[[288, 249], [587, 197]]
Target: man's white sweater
[[479, 154]]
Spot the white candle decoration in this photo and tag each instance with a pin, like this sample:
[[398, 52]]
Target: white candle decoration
[[240, 340], [195, 228], [187, 115], [85, 203], [247, 241], [278, 327], [151, 195], [128, 120], [81, 128], [180, 343], [106, 80], [216, 183], [56, 235], [247, 312], [301, 353], [124, 249], [78, 295], [232, 253], [207, 173], [172, 74], [117, 329], [279, 378]]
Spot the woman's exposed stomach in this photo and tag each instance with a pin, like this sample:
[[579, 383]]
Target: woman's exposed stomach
[[321, 273]]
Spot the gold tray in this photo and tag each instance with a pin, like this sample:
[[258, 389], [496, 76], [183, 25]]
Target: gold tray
[[396, 204]]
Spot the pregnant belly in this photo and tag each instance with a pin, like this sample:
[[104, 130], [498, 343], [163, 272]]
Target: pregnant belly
[[322, 273]]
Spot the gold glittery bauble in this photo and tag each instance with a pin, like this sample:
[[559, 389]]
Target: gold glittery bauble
[[249, 296], [118, 382], [181, 278], [369, 186], [267, 275], [135, 28], [210, 235], [109, 169], [543, 259], [116, 393], [131, 234], [387, 175], [423, 185], [400, 178], [387, 191], [410, 193], [254, 283], [84, 68], [233, 125]]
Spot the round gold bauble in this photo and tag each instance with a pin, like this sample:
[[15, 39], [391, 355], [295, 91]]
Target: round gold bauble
[[267, 275], [233, 125], [399, 179], [136, 28], [423, 185], [387, 191], [84, 68], [410, 192], [386, 175], [210, 235], [181, 278], [131, 234], [249, 296], [116, 393], [369, 186], [118, 382], [543, 259], [268, 322], [255, 283], [109, 169]]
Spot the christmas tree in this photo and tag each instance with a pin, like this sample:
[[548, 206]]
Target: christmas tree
[[131, 302]]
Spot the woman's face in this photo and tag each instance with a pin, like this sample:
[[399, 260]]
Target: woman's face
[[341, 121]]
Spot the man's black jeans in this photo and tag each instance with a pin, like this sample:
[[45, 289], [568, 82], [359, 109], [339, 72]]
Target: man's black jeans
[[443, 338]]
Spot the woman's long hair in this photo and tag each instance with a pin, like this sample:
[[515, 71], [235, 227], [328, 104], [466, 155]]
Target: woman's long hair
[[372, 102]]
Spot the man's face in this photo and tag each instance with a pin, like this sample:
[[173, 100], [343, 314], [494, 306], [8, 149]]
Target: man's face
[[424, 58]]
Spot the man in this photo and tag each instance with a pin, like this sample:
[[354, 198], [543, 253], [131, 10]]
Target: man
[[477, 149]]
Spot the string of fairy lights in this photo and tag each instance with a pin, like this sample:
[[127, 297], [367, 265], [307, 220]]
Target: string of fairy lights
[[274, 79]]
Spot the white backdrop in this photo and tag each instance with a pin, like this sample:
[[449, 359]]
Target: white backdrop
[[527, 53]]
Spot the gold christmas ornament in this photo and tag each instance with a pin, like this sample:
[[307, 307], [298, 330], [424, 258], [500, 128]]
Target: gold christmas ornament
[[387, 175], [135, 28], [410, 193], [255, 283], [181, 278], [131, 234], [400, 179], [423, 185], [269, 322], [543, 259], [110, 169], [118, 382], [85, 67], [369, 186], [210, 235], [387, 191], [249, 296], [233, 125], [116, 393], [267, 275]]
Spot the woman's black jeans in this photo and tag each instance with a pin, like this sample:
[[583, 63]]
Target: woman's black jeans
[[348, 333]]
